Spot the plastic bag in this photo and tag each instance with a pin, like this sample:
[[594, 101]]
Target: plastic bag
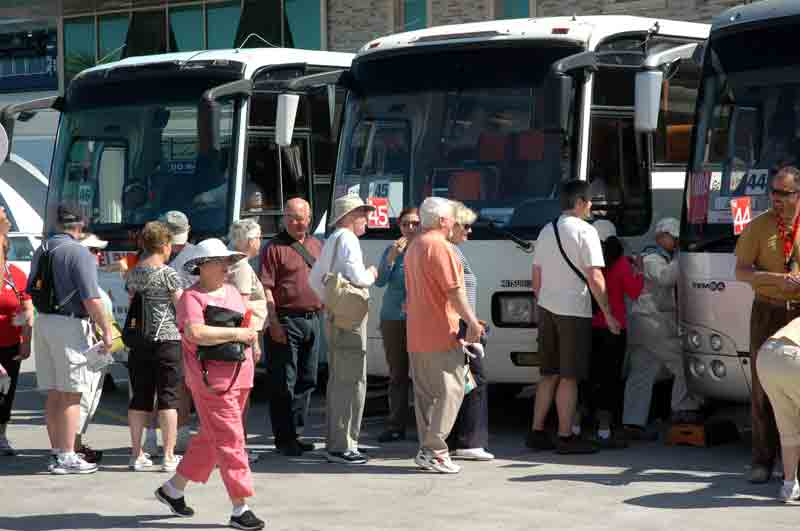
[[98, 358]]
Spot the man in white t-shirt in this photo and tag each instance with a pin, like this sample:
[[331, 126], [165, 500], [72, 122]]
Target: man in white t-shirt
[[564, 287]]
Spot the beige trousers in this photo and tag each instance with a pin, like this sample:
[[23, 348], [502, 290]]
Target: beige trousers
[[778, 366], [347, 386], [438, 392]]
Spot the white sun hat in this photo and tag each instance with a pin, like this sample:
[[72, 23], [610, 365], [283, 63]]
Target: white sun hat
[[669, 225], [346, 204], [605, 229], [93, 242], [208, 250]]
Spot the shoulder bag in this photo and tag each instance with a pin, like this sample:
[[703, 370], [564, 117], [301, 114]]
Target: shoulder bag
[[347, 304], [595, 306], [231, 351]]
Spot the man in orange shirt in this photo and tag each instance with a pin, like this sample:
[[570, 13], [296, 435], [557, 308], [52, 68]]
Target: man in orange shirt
[[436, 300]]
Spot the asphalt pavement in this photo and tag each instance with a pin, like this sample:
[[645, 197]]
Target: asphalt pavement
[[648, 486]]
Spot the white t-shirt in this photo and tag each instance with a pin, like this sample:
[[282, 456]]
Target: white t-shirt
[[562, 292], [349, 262]]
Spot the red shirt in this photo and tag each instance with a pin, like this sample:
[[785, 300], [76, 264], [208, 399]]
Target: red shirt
[[285, 273], [12, 293], [620, 281]]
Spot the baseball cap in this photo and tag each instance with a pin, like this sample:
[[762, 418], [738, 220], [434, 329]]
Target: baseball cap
[[178, 225], [69, 214]]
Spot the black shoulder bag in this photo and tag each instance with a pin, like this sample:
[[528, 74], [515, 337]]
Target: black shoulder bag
[[595, 306], [231, 352], [302, 251]]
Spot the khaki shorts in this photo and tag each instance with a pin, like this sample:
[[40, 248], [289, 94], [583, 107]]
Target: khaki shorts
[[59, 343], [565, 344], [778, 366]]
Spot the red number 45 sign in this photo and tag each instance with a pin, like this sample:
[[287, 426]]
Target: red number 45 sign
[[740, 210], [378, 218]]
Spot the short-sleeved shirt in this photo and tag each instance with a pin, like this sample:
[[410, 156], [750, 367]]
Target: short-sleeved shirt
[[242, 276], [286, 274], [432, 272], [760, 246], [74, 273], [156, 285], [562, 291], [11, 296], [190, 311]]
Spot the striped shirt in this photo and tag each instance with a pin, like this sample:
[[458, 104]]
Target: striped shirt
[[470, 280]]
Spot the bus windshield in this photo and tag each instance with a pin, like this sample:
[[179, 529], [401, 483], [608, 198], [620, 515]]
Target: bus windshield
[[467, 125], [748, 127], [127, 162]]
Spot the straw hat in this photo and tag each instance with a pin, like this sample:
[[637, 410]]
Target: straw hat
[[346, 204], [208, 250]]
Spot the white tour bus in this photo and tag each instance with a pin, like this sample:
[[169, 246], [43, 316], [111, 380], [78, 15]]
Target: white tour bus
[[747, 125], [497, 114], [192, 132]]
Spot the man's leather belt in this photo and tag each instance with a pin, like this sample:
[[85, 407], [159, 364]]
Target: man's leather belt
[[782, 303], [298, 313]]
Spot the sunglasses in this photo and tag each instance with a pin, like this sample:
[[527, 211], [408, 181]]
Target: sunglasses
[[782, 193], [467, 227], [409, 224], [95, 250]]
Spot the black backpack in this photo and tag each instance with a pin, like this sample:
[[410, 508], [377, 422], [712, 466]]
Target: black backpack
[[43, 288]]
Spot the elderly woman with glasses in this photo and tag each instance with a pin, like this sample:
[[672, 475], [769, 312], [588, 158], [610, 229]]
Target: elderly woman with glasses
[[219, 388], [470, 434], [393, 325]]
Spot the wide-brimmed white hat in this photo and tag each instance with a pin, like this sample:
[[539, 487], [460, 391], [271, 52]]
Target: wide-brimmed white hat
[[669, 225], [605, 229], [93, 242], [346, 204], [209, 250]]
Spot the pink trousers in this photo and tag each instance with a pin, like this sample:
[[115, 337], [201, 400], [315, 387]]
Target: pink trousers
[[220, 442]]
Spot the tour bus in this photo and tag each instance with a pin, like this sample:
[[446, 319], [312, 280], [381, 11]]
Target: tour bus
[[497, 114], [192, 132], [747, 125]]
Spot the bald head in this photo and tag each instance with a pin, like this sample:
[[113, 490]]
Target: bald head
[[297, 218]]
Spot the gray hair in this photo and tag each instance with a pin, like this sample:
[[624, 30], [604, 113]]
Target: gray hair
[[433, 209], [243, 230]]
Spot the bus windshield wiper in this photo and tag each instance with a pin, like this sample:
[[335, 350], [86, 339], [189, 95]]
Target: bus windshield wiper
[[522, 243], [702, 246]]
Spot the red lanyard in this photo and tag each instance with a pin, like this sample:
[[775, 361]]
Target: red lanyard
[[788, 240]]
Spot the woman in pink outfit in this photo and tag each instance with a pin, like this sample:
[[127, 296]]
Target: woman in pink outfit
[[605, 386], [221, 394]]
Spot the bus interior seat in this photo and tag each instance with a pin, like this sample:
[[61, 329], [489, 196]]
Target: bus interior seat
[[465, 185], [678, 142], [493, 147]]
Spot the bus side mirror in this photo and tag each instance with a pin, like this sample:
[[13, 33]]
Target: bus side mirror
[[647, 100], [284, 119], [208, 125], [558, 90]]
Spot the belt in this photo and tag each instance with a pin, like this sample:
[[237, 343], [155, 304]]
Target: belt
[[782, 303], [298, 313]]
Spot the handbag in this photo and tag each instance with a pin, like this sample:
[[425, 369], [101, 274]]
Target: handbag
[[134, 335], [346, 304], [230, 351]]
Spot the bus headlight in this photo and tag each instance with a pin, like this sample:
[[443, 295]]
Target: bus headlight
[[514, 309], [716, 342], [694, 340], [696, 366], [718, 369]]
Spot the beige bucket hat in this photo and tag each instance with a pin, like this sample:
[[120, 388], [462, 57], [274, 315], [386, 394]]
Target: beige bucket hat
[[346, 204]]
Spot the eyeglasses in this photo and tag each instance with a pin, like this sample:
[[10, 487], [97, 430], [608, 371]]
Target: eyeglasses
[[467, 227], [782, 193], [409, 224]]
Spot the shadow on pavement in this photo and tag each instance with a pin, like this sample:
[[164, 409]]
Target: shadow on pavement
[[92, 521]]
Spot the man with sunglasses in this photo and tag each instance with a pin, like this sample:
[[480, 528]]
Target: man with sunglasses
[[767, 258]]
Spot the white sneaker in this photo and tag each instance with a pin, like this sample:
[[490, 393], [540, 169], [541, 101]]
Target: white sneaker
[[421, 460], [438, 463], [182, 442], [138, 464], [151, 443], [73, 464], [789, 492], [474, 454], [170, 465]]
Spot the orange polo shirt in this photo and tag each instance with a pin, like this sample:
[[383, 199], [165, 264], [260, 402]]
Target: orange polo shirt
[[432, 270]]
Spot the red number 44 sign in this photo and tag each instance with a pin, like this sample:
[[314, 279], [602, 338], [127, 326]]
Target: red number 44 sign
[[378, 218], [740, 210]]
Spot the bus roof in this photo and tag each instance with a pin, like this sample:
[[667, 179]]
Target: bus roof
[[750, 13], [586, 31], [253, 58]]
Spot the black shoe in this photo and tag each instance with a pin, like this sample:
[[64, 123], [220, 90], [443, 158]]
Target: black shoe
[[539, 440], [573, 445], [176, 505], [248, 521], [392, 436], [347, 458], [304, 445], [90, 455], [292, 449]]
